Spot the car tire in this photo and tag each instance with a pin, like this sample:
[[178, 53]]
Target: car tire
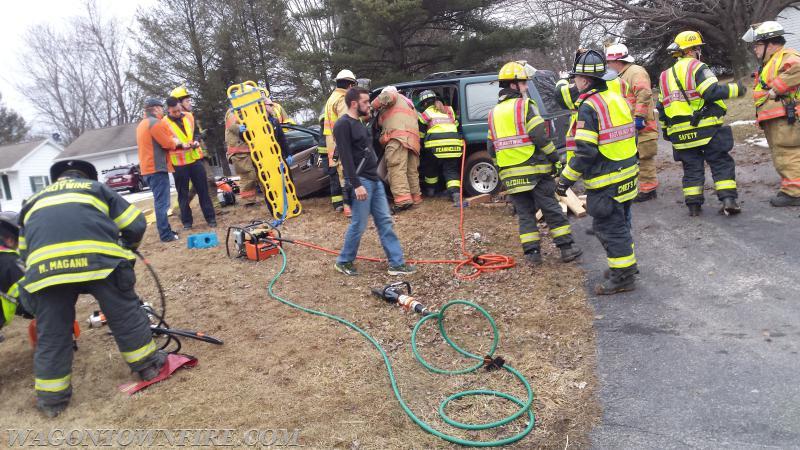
[[480, 175]]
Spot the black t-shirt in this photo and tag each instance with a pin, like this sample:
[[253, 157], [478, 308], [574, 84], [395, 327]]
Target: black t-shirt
[[353, 145]]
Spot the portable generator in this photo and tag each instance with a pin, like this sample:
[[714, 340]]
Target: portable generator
[[255, 241]]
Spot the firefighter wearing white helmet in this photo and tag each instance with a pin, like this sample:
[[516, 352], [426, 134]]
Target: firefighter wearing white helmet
[[776, 100], [636, 77], [691, 111], [335, 108], [526, 159]]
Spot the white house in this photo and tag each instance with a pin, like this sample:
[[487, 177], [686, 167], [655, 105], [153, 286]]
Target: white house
[[105, 147], [24, 170], [790, 19]]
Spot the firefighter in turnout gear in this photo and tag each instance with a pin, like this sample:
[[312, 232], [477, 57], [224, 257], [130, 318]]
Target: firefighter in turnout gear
[[525, 158], [337, 200], [76, 237], [399, 124], [691, 111], [335, 108], [11, 269], [776, 96], [443, 143], [238, 155], [638, 81], [605, 157]]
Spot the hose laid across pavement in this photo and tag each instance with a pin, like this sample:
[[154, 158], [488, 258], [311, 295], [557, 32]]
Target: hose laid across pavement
[[525, 406]]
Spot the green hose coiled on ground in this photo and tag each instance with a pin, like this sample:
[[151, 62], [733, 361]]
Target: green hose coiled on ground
[[525, 406]]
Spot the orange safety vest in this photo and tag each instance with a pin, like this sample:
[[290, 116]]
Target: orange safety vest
[[767, 109], [182, 157]]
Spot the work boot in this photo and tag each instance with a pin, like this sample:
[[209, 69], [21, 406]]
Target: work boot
[[51, 410], [612, 286], [780, 200], [338, 208], [152, 371], [456, 197], [645, 196], [429, 191], [570, 253], [730, 207], [417, 198], [694, 209], [396, 208], [534, 257]]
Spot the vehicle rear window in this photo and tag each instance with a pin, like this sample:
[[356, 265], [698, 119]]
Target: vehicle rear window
[[481, 98], [118, 172]]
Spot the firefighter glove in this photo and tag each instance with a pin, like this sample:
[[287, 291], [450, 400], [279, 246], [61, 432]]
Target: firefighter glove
[[289, 160], [639, 122], [742, 88]]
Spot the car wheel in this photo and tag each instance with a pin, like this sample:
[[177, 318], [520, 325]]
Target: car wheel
[[480, 175], [139, 187]]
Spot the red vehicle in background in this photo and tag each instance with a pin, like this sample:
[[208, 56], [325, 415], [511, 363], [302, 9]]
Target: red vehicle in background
[[125, 178]]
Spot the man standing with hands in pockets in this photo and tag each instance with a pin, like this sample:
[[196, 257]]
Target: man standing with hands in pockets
[[360, 167]]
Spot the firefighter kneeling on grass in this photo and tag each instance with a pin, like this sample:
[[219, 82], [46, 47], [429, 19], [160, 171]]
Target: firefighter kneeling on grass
[[605, 157], [76, 237], [526, 159]]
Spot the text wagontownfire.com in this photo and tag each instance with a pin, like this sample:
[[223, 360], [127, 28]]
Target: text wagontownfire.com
[[155, 437]]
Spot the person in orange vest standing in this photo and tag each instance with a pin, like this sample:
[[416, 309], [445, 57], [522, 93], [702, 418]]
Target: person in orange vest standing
[[335, 108], [776, 97], [154, 140], [400, 137], [638, 81], [186, 160]]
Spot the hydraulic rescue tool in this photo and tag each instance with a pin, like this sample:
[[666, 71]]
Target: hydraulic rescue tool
[[400, 294], [255, 241]]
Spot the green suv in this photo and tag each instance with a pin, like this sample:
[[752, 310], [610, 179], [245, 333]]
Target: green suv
[[472, 96]]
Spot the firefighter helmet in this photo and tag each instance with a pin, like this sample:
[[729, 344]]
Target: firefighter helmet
[[180, 92], [9, 223], [84, 167], [346, 75], [591, 63], [426, 95], [618, 52], [763, 31], [685, 40], [513, 71]]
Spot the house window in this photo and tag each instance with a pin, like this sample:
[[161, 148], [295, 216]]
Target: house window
[[6, 187], [38, 183]]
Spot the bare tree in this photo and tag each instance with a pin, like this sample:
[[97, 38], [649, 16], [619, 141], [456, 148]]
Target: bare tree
[[721, 22], [75, 76]]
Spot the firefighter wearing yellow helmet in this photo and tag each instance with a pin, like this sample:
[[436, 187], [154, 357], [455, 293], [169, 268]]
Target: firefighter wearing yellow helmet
[[526, 159], [691, 111], [776, 99]]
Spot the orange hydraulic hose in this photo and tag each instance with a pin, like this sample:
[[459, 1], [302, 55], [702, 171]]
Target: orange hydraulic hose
[[478, 263]]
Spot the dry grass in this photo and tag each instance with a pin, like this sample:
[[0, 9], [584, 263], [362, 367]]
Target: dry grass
[[281, 368]]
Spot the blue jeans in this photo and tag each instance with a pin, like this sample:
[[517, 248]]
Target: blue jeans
[[377, 205], [159, 185]]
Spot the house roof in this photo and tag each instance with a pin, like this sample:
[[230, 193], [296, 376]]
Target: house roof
[[101, 140], [11, 154]]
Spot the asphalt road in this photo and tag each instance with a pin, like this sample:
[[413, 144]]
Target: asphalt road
[[704, 354]]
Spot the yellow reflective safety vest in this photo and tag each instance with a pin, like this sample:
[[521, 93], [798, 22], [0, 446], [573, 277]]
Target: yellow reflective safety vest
[[322, 147], [10, 275], [617, 85], [680, 131], [615, 139], [513, 147], [442, 136], [181, 157], [767, 109], [331, 114]]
